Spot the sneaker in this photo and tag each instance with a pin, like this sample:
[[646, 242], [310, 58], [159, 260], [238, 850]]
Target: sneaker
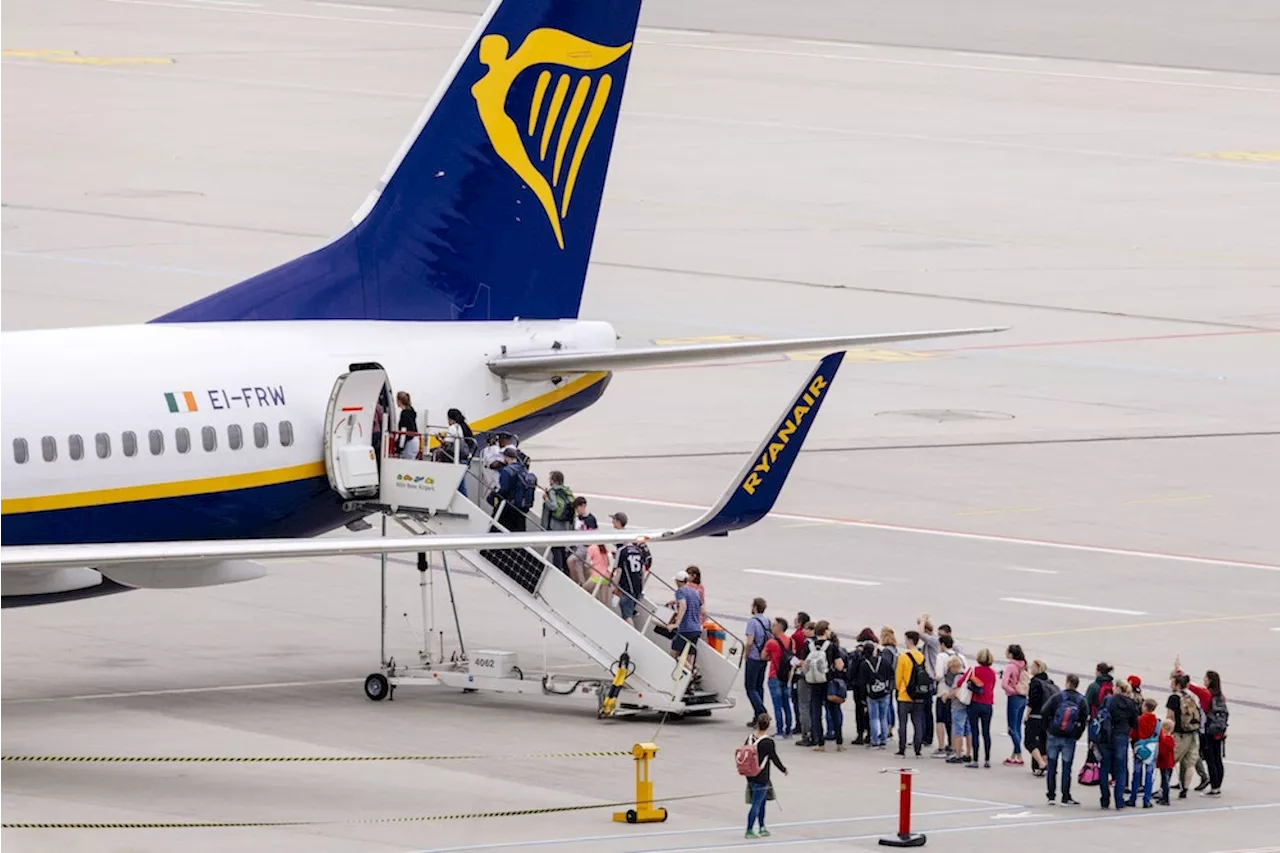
[[1051, 799], [902, 753], [1009, 762], [986, 764], [840, 747], [764, 833], [883, 746], [804, 741], [1204, 783], [1182, 795], [1213, 793], [972, 765], [1164, 801], [1146, 805], [956, 759], [939, 753], [751, 834], [819, 749], [1067, 801]]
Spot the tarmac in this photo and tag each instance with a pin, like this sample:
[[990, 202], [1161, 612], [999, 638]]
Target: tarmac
[[1092, 484]]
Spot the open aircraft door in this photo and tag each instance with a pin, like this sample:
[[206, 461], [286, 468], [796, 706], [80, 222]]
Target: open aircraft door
[[350, 453]]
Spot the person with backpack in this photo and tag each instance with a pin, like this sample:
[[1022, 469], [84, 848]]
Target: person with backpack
[[819, 661], [1215, 732], [1183, 710], [1066, 715], [780, 654], [631, 568], [1103, 686], [1040, 690], [516, 487], [756, 668], [1146, 747], [837, 692], [557, 514], [915, 689], [982, 684], [799, 691], [956, 707], [1016, 681], [942, 704], [878, 676], [1201, 692], [754, 758], [858, 686], [1109, 732]]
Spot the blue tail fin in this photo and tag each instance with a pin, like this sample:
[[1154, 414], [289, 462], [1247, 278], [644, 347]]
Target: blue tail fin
[[489, 209]]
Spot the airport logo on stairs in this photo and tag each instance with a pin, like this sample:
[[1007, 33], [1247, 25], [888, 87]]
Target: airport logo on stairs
[[553, 177]]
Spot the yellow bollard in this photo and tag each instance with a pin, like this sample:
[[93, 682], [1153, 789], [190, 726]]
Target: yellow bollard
[[644, 812]]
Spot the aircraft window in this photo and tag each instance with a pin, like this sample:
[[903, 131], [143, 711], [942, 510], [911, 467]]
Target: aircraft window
[[209, 438], [49, 448], [235, 437], [129, 441], [286, 433], [75, 447], [182, 439], [102, 443], [155, 439], [20, 454], [259, 435]]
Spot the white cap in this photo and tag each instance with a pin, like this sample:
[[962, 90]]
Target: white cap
[[682, 576]]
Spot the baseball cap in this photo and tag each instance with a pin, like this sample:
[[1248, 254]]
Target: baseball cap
[[620, 517], [511, 452], [682, 576]]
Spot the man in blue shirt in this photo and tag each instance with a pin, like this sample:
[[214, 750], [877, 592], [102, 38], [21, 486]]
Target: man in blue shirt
[[757, 667], [687, 621]]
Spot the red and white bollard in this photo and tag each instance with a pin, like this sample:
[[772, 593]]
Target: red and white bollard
[[905, 837]]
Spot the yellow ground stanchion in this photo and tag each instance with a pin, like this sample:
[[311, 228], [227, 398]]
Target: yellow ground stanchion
[[644, 812]]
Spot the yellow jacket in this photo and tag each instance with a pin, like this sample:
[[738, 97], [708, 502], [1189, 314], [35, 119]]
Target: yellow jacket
[[903, 673]]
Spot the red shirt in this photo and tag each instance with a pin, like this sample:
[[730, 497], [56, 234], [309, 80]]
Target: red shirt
[[987, 677], [1203, 694], [1146, 727], [797, 640], [1164, 758], [772, 652]]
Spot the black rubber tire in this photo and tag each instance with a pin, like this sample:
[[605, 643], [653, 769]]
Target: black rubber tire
[[632, 817], [376, 687], [664, 816]]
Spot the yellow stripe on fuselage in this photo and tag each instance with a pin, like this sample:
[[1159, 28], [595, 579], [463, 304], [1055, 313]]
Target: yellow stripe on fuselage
[[272, 477]]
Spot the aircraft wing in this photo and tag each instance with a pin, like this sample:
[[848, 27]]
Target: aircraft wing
[[749, 497], [546, 364]]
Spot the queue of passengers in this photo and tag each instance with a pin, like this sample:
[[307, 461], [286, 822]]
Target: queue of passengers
[[949, 701]]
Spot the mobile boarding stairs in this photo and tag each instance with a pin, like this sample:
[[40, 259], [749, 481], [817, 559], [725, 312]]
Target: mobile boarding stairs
[[636, 672]]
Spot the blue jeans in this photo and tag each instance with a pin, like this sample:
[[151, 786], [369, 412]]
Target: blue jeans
[[753, 679], [1015, 706], [759, 796], [879, 711], [1115, 768], [835, 723], [1059, 746], [1144, 776], [780, 692]]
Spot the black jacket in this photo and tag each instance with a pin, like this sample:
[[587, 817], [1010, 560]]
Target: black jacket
[[767, 753], [1036, 694], [1124, 714]]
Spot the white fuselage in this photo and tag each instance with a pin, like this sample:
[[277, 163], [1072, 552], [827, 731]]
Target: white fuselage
[[92, 392]]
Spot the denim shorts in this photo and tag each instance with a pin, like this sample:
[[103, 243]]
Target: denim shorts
[[959, 721], [690, 638]]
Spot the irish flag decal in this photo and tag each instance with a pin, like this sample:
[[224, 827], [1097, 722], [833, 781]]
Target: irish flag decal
[[180, 401]]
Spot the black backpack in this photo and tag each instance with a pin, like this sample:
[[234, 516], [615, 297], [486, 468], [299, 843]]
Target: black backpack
[[919, 684], [1216, 723]]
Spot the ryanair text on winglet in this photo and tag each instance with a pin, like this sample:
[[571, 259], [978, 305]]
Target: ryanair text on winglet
[[799, 411]]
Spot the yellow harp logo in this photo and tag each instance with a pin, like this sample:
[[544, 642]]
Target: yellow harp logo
[[545, 47]]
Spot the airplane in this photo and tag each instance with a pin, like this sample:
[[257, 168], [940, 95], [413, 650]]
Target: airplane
[[192, 438]]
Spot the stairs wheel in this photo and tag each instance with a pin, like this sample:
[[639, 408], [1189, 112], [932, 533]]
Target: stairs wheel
[[376, 687]]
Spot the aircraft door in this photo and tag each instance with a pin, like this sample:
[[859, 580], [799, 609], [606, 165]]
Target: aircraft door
[[350, 450]]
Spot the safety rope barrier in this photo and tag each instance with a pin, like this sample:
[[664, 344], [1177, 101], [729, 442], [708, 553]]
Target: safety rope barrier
[[286, 759], [357, 821]]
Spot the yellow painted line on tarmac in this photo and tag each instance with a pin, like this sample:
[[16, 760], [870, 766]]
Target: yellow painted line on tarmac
[[1128, 627], [1170, 500], [704, 339], [1241, 156], [1015, 510], [71, 57]]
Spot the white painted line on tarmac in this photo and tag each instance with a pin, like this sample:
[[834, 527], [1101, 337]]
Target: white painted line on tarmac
[[958, 534], [585, 839], [1043, 603], [176, 691], [803, 576], [956, 799], [1032, 571], [983, 827], [1259, 766], [356, 6]]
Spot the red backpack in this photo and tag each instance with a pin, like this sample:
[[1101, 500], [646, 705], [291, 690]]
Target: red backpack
[[1105, 689], [747, 758]]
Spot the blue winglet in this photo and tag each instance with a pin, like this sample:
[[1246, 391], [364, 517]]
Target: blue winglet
[[758, 485]]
